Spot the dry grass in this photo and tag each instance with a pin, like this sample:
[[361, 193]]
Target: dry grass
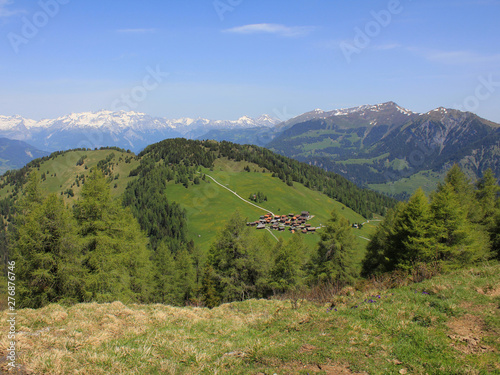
[[448, 324]]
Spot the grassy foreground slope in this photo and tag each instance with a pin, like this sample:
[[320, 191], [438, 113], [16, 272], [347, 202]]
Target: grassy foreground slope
[[446, 325]]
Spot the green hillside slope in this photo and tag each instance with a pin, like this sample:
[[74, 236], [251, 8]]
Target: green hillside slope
[[209, 206], [446, 325], [60, 171]]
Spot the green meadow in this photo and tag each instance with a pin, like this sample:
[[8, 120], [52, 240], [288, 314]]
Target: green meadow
[[209, 205], [427, 180], [62, 170]]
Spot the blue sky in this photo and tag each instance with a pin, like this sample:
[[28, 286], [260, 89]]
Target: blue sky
[[224, 59]]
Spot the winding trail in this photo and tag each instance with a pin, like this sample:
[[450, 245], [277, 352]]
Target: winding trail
[[244, 200]]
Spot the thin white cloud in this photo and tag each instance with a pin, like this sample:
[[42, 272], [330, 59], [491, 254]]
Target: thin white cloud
[[271, 28], [4, 12], [386, 47], [135, 31], [456, 57]]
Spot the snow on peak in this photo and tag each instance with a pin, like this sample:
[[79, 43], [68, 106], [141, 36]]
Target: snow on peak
[[11, 122], [244, 119], [131, 120], [440, 110], [365, 109]]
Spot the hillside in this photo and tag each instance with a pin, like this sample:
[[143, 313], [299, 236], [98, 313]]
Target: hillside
[[384, 144], [60, 172], [449, 324], [385, 147], [16, 154], [207, 205]]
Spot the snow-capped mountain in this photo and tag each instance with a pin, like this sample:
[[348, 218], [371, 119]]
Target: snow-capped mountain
[[374, 144], [387, 111], [130, 130]]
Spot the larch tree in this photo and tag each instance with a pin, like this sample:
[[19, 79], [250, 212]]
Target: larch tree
[[458, 240], [46, 250], [334, 258], [116, 255], [240, 261]]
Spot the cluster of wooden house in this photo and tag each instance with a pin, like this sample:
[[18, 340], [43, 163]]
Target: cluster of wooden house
[[292, 222]]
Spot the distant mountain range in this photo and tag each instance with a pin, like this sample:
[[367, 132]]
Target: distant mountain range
[[16, 154], [370, 144], [384, 143], [128, 130]]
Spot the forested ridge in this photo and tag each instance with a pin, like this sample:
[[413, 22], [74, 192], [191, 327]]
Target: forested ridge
[[195, 153]]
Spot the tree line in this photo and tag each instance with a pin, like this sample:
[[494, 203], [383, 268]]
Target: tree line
[[459, 224]]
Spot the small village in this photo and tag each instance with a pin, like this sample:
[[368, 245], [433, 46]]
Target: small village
[[293, 223]]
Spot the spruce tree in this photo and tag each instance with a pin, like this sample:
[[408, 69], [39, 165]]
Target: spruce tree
[[411, 241], [46, 252]]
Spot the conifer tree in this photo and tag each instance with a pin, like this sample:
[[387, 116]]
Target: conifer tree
[[411, 241], [488, 196], [458, 240], [288, 269], [334, 258], [495, 236], [240, 262], [46, 251], [208, 291], [116, 253], [464, 189], [377, 251], [185, 275], [165, 275]]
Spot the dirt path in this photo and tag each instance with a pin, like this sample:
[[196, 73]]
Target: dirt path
[[244, 200]]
